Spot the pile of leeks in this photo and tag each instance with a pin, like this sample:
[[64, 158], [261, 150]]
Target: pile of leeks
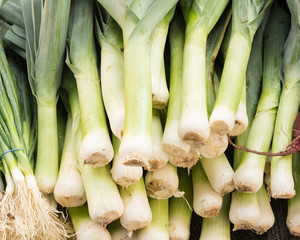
[[115, 117]]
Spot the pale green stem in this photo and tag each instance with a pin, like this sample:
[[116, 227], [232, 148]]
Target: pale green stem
[[232, 80], [194, 124], [282, 183], [47, 155]]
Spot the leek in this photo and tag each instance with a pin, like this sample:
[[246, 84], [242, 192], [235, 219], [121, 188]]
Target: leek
[[16, 132], [96, 148], [162, 183], [267, 217], [84, 226], [244, 210], [246, 19], [216, 144], [138, 19], [293, 215], [103, 198], [253, 81], [137, 213], [206, 201], [44, 56], [160, 92], [219, 226], [171, 142], [201, 18], [249, 175], [282, 183], [69, 191], [112, 74]]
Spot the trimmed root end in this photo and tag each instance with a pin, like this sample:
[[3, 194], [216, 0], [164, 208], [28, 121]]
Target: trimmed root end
[[174, 150], [220, 127], [197, 138], [108, 217], [227, 188], [295, 232], [244, 225], [294, 228], [135, 160], [245, 188], [187, 162], [284, 195], [159, 189], [126, 181], [156, 164], [158, 104], [210, 212], [239, 128], [70, 200], [259, 230], [96, 160], [215, 146], [134, 225]]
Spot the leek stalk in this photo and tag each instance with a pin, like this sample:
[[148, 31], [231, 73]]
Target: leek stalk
[[249, 175], [84, 226], [201, 18], [206, 202], [103, 198], [246, 19], [137, 213], [160, 92], [282, 183], [138, 19], [171, 142], [162, 183], [293, 216], [96, 148], [219, 226]]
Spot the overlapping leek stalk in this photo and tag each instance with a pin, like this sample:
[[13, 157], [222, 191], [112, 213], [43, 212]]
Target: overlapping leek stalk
[[249, 175], [217, 227], [96, 148], [180, 214], [138, 19], [45, 56], [282, 183], [104, 201], [171, 142], [201, 18], [85, 227], [246, 19]]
